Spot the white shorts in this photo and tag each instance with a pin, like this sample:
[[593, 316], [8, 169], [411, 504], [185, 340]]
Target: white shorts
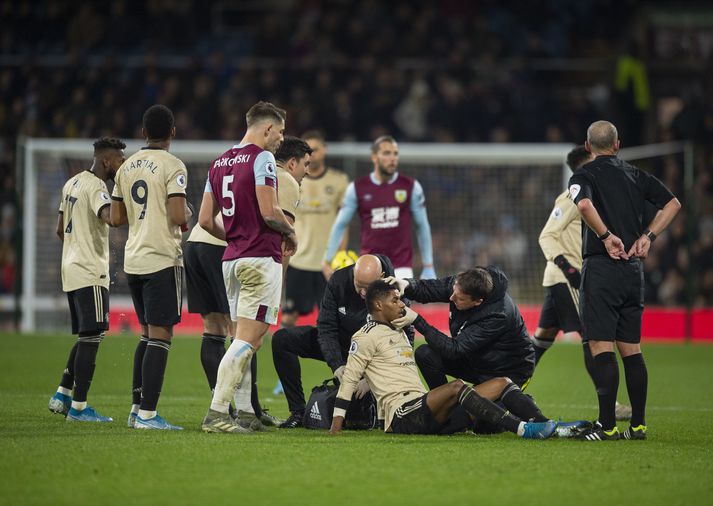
[[254, 287], [403, 272]]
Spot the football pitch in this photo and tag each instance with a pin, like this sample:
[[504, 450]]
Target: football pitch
[[45, 460]]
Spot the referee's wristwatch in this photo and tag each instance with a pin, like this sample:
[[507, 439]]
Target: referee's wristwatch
[[648, 233], [604, 235]]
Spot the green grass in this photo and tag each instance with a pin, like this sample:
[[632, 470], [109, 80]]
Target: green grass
[[44, 460]]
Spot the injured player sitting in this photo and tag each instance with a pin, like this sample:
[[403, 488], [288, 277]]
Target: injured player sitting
[[381, 353]]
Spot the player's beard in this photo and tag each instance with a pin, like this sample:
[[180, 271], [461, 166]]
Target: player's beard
[[387, 170]]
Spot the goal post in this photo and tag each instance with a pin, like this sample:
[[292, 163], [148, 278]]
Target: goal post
[[486, 204]]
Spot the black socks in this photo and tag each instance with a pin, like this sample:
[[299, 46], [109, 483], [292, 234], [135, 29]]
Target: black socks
[[153, 369], [606, 379], [521, 405], [84, 365], [212, 351], [138, 365], [637, 379], [481, 408], [67, 380]]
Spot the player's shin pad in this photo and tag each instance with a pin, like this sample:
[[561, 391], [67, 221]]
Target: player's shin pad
[[230, 372]]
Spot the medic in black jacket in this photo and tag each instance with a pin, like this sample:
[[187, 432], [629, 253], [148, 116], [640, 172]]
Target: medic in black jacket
[[488, 335], [342, 313]]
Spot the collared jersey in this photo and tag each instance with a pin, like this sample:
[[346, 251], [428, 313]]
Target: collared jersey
[[561, 235], [144, 183], [619, 192], [85, 250], [384, 356], [319, 202], [385, 213], [288, 196]]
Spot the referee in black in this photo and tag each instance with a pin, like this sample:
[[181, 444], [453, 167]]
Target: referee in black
[[611, 195]]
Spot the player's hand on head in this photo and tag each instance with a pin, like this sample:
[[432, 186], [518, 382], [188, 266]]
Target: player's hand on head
[[428, 273], [362, 389], [401, 284], [407, 319]]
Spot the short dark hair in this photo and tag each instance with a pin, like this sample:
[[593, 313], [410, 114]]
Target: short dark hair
[[577, 157], [104, 143], [158, 122], [262, 111], [314, 134], [379, 141], [477, 283], [377, 290], [292, 147]]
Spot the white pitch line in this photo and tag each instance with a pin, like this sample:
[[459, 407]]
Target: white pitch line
[[649, 407]]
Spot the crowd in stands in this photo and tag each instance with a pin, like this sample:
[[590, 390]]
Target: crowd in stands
[[450, 71]]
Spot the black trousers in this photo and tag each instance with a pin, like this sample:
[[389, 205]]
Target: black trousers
[[434, 369], [288, 346]]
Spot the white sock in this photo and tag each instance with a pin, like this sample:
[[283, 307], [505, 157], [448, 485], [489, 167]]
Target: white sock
[[79, 406], [65, 391], [135, 409], [541, 343], [243, 393], [146, 415], [230, 374], [521, 429]]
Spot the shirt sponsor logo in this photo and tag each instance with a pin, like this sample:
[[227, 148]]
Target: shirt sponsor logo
[[400, 196], [343, 310], [353, 348], [574, 190], [385, 217]]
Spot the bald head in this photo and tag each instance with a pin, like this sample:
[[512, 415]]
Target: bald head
[[602, 138], [366, 270]]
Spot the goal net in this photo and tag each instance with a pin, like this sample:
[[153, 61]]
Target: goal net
[[486, 205]]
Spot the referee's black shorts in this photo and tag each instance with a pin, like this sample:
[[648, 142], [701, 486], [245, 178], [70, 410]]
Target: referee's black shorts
[[158, 296], [303, 290], [612, 299], [561, 308], [205, 288], [89, 309]]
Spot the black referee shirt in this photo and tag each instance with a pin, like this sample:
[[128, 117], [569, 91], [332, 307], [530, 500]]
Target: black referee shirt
[[619, 192]]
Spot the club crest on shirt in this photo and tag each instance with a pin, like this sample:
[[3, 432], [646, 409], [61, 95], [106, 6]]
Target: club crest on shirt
[[574, 190], [329, 189], [400, 196]]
